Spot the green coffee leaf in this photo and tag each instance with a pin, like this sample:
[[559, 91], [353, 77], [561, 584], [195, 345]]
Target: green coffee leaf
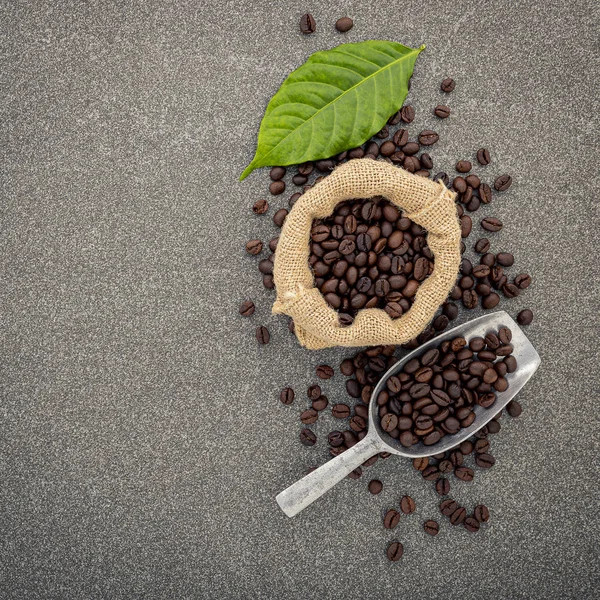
[[335, 101]]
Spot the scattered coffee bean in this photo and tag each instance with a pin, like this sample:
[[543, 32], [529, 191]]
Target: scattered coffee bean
[[280, 216], [307, 24], [277, 187], [277, 173], [441, 111], [471, 524], [262, 335], [247, 308], [522, 281], [344, 24], [431, 527], [448, 85], [324, 372], [483, 156], [254, 247], [514, 409], [407, 505], [309, 416], [260, 207], [375, 486], [427, 137], [447, 507], [407, 114], [502, 183], [481, 513], [395, 551], [287, 395], [491, 224], [442, 486], [458, 516], [463, 166], [391, 519], [307, 437], [320, 403], [525, 317]]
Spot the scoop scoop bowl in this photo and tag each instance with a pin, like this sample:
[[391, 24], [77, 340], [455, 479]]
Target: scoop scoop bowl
[[311, 487]]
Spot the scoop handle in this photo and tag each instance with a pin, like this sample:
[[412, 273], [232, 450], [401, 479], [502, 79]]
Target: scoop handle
[[311, 487]]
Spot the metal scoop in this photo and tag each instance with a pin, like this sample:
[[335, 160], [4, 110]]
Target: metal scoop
[[305, 491]]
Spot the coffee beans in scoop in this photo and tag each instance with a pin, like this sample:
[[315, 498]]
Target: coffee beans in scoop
[[435, 394], [367, 255]]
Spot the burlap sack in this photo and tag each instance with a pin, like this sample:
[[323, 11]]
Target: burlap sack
[[427, 203]]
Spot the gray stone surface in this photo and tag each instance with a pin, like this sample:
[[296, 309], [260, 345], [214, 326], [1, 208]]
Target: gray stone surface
[[142, 442]]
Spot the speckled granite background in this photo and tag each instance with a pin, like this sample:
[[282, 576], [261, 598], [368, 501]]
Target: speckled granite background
[[141, 437]]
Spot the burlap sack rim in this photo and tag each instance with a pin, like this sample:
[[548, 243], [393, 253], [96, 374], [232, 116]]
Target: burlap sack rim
[[316, 323]]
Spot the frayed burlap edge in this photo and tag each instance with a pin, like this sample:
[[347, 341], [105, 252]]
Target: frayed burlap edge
[[427, 203]]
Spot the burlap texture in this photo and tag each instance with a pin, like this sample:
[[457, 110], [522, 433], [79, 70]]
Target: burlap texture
[[427, 203]]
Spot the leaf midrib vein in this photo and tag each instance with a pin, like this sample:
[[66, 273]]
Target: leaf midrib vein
[[341, 96]]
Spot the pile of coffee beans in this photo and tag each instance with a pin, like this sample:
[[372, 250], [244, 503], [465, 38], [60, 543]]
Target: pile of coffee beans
[[367, 255], [435, 394]]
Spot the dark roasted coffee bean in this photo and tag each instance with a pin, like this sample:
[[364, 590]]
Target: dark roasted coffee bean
[[407, 114], [335, 438], [514, 408], [320, 403], [464, 473], [483, 156], [485, 193], [324, 372], [458, 516], [262, 335], [340, 411], [490, 301], [448, 506], [481, 513], [286, 396], [491, 224], [420, 463], [471, 524], [309, 416], [441, 111], [277, 187], [473, 181], [389, 422], [277, 173], [448, 85], [307, 437], [482, 245], [442, 486], [375, 486], [357, 423], [505, 259], [280, 216], [395, 551], [307, 24], [391, 519], [407, 505], [324, 166], [427, 137], [466, 224], [254, 247], [525, 317], [463, 166], [426, 161], [485, 461], [260, 207], [431, 527], [503, 182], [247, 308], [344, 24]]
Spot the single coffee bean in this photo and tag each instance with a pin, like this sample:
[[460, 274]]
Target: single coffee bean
[[407, 114], [277, 187], [389, 422], [388, 148], [340, 411], [344, 24], [482, 245], [485, 461], [307, 24], [280, 216], [485, 193], [514, 409], [481, 513], [448, 85], [420, 463], [427, 137], [309, 416], [324, 372], [314, 391], [522, 281], [441, 111], [307, 437], [254, 247], [525, 317], [431, 527], [277, 173], [442, 486], [320, 403], [503, 182], [505, 259], [286, 396], [407, 505], [483, 156], [447, 507], [262, 335], [247, 308], [391, 519], [458, 516], [463, 166], [335, 439], [260, 207], [375, 486], [395, 551], [464, 473], [471, 524], [491, 224]]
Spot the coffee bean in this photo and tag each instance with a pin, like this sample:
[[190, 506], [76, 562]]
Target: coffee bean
[[395, 551], [442, 486], [503, 182], [464, 473], [344, 24], [485, 461], [448, 85], [247, 308], [483, 156], [387, 148], [254, 247], [441, 111], [307, 24], [463, 166], [320, 403], [277, 173], [482, 245], [485, 193], [356, 474], [307, 437], [407, 505], [260, 207], [280, 216], [314, 391], [389, 422], [431, 527], [491, 224], [505, 259], [340, 411], [514, 409], [391, 519], [427, 137], [447, 507], [522, 281], [324, 372], [286, 396], [525, 317], [262, 335], [471, 524], [481, 513], [458, 516], [420, 463], [375, 486], [407, 114], [277, 187], [309, 416]]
